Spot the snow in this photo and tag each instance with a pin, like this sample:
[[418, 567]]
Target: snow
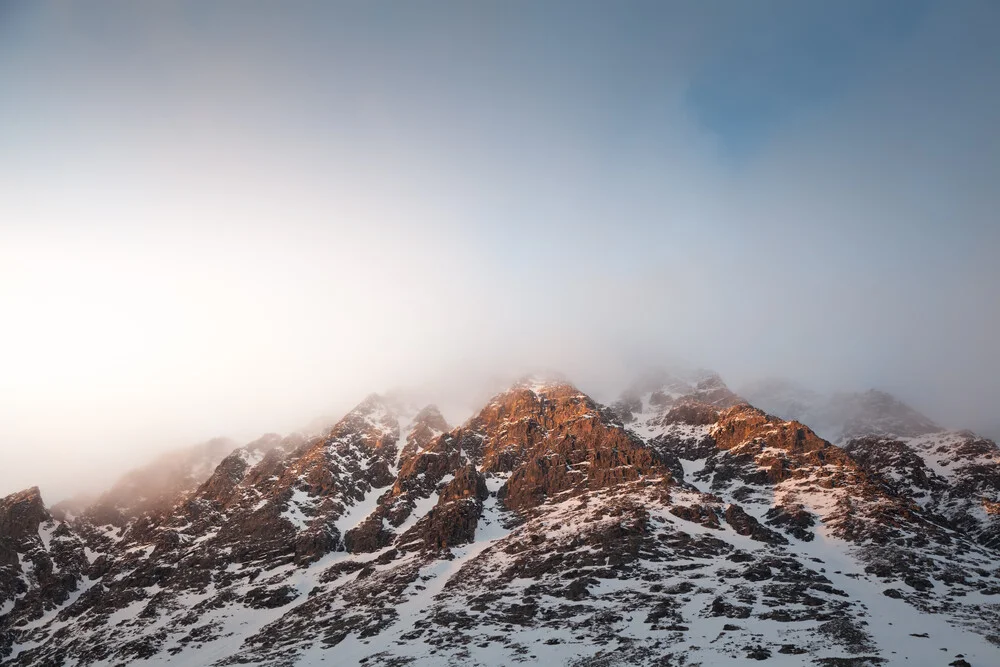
[[294, 512], [891, 621], [45, 531], [359, 511], [6, 606], [251, 456], [692, 467], [938, 453], [406, 427]]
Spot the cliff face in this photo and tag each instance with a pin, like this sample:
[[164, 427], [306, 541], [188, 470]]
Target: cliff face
[[682, 526], [20, 516], [41, 560], [555, 440]]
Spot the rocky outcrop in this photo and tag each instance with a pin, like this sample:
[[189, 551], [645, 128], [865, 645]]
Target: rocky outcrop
[[744, 524], [745, 425], [453, 521], [20, 516], [427, 425], [42, 562], [553, 439], [785, 464], [419, 479], [591, 455]]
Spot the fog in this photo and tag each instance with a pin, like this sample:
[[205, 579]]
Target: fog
[[239, 218]]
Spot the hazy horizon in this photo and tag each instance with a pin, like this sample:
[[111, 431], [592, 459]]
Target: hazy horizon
[[222, 220]]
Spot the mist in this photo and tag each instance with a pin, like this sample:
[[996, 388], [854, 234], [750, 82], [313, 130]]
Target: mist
[[234, 219]]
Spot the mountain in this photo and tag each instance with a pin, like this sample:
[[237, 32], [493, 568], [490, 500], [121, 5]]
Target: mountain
[[955, 474], [841, 416], [679, 526], [152, 487]]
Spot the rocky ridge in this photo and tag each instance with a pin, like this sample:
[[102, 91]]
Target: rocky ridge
[[679, 526]]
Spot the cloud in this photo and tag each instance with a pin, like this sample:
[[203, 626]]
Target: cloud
[[219, 223]]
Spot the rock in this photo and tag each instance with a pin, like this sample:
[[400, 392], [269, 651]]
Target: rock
[[20, 516], [744, 524]]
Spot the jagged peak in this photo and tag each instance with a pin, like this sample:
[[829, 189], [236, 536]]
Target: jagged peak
[[411, 403], [430, 415], [538, 389], [562, 495], [842, 416], [374, 412], [877, 412], [30, 495], [428, 411], [674, 383], [266, 441], [21, 513], [703, 377], [658, 380], [371, 403], [743, 411], [390, 411], [655, 393], [744, 425]]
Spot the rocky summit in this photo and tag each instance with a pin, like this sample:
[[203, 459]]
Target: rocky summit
[[680, 525]]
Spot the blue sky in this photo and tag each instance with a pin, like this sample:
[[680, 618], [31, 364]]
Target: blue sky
[[230, 217], [794, 62]]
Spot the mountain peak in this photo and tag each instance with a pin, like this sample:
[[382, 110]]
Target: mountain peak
[[425, 426], [21, 513], [431, 417], [31, 495], [876, 412], [374, 414], [841, 416], [651, 397], [373, 403]]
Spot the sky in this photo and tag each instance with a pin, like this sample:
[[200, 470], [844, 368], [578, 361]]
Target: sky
[[229, 218]]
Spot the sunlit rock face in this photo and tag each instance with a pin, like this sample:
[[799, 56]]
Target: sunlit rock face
[[682, 525]]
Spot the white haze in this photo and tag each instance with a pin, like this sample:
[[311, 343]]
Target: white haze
[[227, 225]]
